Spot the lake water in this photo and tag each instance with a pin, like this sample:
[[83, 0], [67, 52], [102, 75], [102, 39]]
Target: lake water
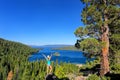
[[65, 56]]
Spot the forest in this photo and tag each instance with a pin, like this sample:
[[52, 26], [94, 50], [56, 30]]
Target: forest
[[14, 64], [99, 38]]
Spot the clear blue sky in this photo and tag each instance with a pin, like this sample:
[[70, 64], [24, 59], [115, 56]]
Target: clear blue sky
[[40, 22]]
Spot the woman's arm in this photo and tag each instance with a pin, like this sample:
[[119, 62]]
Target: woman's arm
[[50, 56], [44, 56]]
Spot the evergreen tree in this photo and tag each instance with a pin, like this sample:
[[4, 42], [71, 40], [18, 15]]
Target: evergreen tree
[[115, 47], [101, 18]]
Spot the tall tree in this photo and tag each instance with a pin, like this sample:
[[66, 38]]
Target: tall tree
[[99, 16]]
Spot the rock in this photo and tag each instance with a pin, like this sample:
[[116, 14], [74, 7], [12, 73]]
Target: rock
[[80, 78], [10, 75], [79, 65], [51, 77]]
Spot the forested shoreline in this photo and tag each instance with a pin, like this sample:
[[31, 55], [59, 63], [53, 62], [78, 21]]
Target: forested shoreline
[[14, 63], [98, 38]]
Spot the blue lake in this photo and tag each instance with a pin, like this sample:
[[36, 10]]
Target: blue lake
[[65, 56]]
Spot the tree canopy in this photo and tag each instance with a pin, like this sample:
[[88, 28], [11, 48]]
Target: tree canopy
[[102, 20]]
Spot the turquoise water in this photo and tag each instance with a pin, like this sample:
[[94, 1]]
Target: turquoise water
[[65, 56]]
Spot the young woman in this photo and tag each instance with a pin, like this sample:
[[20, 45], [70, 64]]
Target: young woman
[[49, 67]]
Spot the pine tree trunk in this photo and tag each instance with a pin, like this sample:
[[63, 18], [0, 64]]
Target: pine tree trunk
[[105, 50]]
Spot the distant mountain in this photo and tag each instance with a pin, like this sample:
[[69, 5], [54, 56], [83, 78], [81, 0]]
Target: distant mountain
[[50, 46], [72, 47], [57, 47]]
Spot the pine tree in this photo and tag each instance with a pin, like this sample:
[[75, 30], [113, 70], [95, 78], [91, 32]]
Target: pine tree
[[115, 46], [101, 18]]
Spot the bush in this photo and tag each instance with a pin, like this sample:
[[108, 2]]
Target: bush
[[93, 77], [59, 71], [63, 69], [115, 68]]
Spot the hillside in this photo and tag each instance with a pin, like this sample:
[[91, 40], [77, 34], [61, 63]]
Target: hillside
[[11, 47], [12, 56], [67, 48]]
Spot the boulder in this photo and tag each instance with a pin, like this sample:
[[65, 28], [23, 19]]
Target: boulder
[[51, 77]]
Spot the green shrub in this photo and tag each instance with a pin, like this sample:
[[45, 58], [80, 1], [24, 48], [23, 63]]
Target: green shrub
[[91, 64], [115, 68], [93, 77], [59, 71], [64, 69]]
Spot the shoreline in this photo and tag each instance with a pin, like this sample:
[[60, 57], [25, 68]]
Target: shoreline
[[79, 65]]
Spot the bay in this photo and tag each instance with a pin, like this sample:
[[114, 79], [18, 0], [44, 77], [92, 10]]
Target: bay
[[68, 56]]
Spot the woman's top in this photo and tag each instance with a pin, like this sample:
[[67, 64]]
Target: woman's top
[[48, 62]]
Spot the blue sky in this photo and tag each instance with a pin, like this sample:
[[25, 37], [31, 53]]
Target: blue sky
[[40, 22]]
